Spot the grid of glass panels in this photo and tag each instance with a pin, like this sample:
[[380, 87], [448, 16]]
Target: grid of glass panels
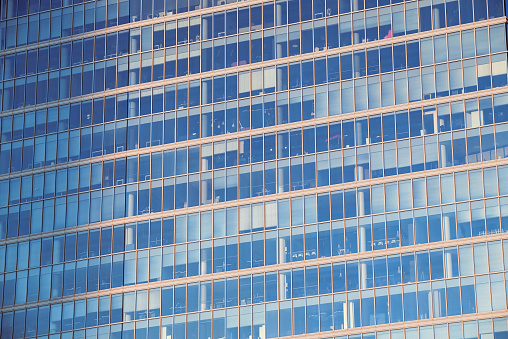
[[172, 179], [218, 119], [455, 330], [310, 299], [370, 62], [241, 238], [442, 226], [80, 18], [27, 89]]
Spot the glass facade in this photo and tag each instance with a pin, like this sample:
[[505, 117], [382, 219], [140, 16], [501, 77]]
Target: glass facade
[[328, 169]]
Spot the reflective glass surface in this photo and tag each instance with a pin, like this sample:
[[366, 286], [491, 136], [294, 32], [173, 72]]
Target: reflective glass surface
[[222, 169]]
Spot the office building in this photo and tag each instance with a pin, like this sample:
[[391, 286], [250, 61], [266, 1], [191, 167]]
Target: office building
[[258, 169]]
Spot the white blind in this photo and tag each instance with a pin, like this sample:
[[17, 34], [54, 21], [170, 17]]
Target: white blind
[[269, 80], [244, 218], [244, 82]]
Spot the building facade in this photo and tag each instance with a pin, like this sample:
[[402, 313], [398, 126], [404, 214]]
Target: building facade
[[257, 169]]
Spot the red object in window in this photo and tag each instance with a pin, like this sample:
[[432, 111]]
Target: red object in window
[[389, 35]]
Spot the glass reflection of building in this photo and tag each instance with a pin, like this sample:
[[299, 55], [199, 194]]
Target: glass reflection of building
[[257, 169]]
